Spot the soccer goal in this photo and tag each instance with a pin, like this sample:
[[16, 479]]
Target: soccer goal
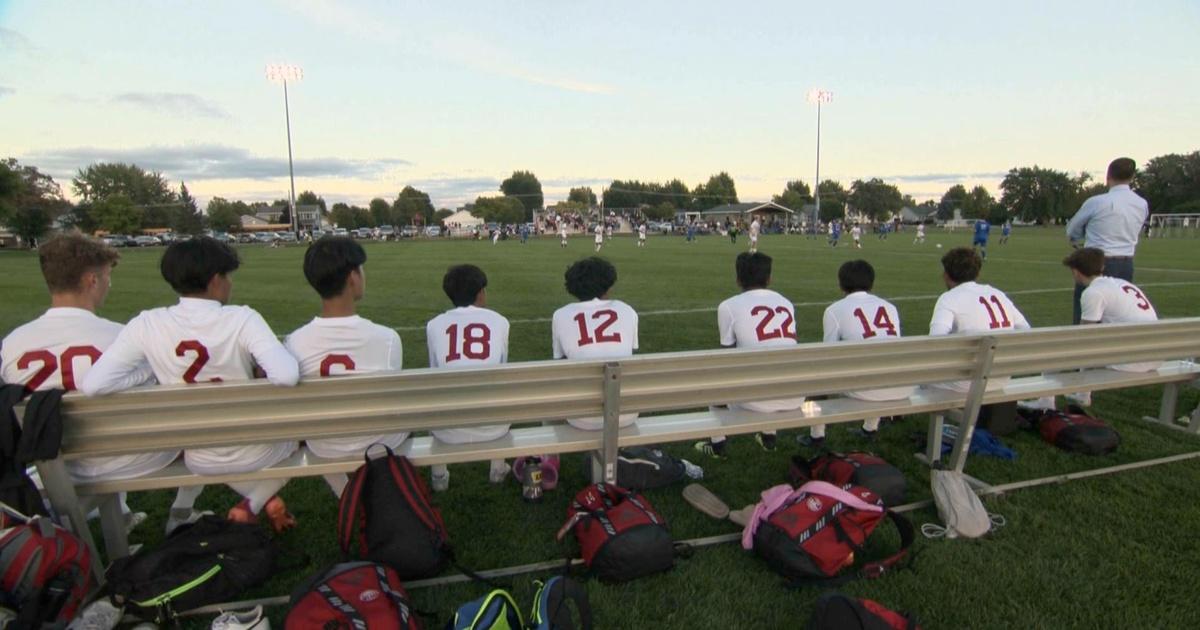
[[1174, 226]]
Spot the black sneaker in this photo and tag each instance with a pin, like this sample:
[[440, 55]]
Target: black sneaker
[[765, 440], [810, 441], [716, 450], [865, 434]]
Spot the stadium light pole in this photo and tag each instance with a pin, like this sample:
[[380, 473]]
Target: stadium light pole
[[818, 96], [282, 73]]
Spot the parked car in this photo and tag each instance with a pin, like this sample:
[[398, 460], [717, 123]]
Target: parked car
[[433, 230], [386, 232], [166, 238], [146, 241], [409, 231], [247, 237], [118, 240], [319, 234], [286, 237], [363, 233], [265, 237], [340, 232]]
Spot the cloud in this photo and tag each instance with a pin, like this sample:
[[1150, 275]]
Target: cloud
[[447, 191], [945, 177], [12, 41], [173, 103], [6, 91], [210, 161]]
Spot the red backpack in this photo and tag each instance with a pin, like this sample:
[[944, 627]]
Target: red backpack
[[47, 573], [1077, 432], [835, 611], [818, 529], [352, 596], [620, 534], [855, 468], [398, 524]]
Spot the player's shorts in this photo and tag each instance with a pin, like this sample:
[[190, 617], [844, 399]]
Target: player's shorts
[[980, 241]]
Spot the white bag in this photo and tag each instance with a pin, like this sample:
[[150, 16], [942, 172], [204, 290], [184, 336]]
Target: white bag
[[959, 507]]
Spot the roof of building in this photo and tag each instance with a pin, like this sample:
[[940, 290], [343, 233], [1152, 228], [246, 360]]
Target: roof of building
[[746, 208]]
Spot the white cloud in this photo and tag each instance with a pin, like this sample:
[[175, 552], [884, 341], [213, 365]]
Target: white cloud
[[6, 91], [173, 103]]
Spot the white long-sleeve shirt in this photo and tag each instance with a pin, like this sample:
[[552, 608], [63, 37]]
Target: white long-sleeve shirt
[[1111, 222], [971, 309]]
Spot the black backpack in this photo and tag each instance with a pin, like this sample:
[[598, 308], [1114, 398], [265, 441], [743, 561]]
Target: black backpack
[[17, 490], [210, 561], [641, 468], [835, 611], [856, 468], [397, 522]]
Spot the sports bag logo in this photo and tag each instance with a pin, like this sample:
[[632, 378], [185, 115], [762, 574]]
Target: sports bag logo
[[814, 504], [368, 596]]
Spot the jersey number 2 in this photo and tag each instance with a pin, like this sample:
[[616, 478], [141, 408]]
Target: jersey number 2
[[50, 364], [191, 345], [784, 329]]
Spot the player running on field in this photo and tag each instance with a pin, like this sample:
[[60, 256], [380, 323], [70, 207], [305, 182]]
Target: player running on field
[[562, 233], [642, 235], [58, 349], [595, 327], [1005, 231], [468, 335], [203, 339], [339, 341], [982, 229], [599, 236], [755, 227], [496, 234], [856, 234], [860, 316], [755, 318], [969, 308], [920, 234], [835, 233]]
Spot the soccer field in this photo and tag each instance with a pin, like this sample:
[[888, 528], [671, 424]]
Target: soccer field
[[1114, 552]]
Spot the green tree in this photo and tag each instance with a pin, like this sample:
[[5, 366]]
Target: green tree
[[222, 215], [978, 204], [503, 210], [1170, 183], [381, 212], [796, 194], [29, 223], [833, 200], [150, 192], [411, 206], [117, 214], [310, 198], [661, 212], [1038, 194], [717, 191], [442, 214], [583, 195], [343, 216], [26, 188], [875, 198], [187, 218], [953, 199], [524, 186]]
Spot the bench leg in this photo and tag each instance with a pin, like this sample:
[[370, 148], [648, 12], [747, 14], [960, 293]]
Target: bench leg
[[112, 522], [65, 502], [933, 441], [1170, 400], [1194, 425], [612, 421]]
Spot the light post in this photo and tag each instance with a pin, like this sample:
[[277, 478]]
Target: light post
[[282, 73], [818, 96]]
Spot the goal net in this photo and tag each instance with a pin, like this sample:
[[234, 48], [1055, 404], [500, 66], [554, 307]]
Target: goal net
[[1174, 226]]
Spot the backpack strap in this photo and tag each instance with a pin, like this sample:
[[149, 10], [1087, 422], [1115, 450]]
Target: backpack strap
[[571, 590], [349, 506], [396, 597], [10, 430], [878, 568], [41, 433], [340, 605]]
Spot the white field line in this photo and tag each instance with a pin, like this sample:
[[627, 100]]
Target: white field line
[[900, 298]]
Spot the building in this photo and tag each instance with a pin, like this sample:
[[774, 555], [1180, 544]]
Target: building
[[767, 213], [309, 217]]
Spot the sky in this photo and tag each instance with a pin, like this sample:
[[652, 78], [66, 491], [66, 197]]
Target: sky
[[452, 97]]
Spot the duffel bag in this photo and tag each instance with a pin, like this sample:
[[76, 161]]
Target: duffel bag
[[855, 468], [620, 534], [835, 611], [352, 596], [1077, 432]]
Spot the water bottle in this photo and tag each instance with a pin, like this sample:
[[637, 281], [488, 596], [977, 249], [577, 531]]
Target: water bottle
[[531, 480]]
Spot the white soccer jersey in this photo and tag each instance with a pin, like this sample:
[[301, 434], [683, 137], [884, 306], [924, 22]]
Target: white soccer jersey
[[759, 318], [56, 351], [861, 316], [599, 233], [1115, 301], [754, 228], [596, 329], [465, 337], [973, 308], [332, 346], [200, 341], [642, 231], [921, 230], [562, 232], [856, 232]]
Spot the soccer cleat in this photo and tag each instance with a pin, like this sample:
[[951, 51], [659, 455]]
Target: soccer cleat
[[241, 513], [499, 472], [278, 515], [766, 441], [132, 520], [716, 450], [101, 615], [250, 619], [183, 516], [440, 483], [810, 441], [864, 434]]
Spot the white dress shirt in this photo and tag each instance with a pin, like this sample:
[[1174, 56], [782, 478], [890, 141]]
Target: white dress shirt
[[1110, 222]]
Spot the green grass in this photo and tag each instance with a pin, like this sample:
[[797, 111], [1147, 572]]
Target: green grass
[[1107, 552]]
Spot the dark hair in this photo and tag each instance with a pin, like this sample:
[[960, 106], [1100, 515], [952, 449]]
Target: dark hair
[[1088, 261], [65, 258], [961, 264], [462, 284], [1122, 169], [753, 270], [328, 263], [590, 278], [856, 275], [188, 266]]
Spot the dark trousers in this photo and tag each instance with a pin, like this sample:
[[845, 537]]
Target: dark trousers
[[1114, 267]]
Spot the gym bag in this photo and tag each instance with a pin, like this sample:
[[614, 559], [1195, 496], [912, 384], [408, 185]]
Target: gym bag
[[1077, 432], [560, 604], [212, 560], [852, 469], [45, 573], [619, 533], [835, 611], [815, 531], [352, 596], [959, 508], [640, 468], [397, 522], [495, 611], [17, 490]]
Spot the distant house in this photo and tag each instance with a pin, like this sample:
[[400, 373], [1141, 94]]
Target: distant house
[[309, 217], [918, 214], [249, 222], [270, 215], [768, 212], [462, 218]]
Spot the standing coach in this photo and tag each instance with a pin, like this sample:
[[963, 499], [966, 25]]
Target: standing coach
[[1111, 222]]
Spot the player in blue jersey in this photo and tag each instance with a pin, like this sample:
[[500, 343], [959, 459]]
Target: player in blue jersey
[[835, 232], [1005, 230], [982, 229]]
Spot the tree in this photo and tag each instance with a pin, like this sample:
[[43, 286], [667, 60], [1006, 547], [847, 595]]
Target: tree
[[106, 179], [343, 216], [978, 204], [24, 188], [188, 219], [583, 196], [796, 194], [381, 212], [1038, 194], [310, 198], [222, 215], [442, 214], [411, 206], [875, 198], [661, 212], [1168, 182], [524, 186], [29, 223], [117, 214], [833, 200], [952, 200], [502, 210], [717, 191]]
